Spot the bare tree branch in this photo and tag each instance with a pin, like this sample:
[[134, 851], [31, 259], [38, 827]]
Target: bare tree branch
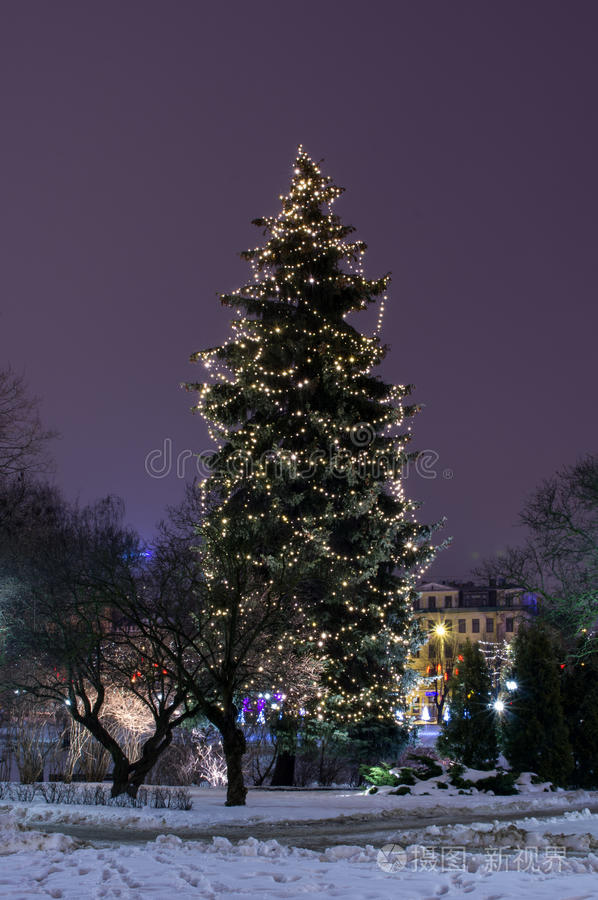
[[23, 439]]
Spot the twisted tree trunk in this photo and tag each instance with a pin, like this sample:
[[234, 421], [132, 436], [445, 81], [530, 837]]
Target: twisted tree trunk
[[234, 746]]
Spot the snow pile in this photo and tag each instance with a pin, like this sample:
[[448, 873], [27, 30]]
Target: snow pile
[[14, 838], [526, 784], [85, 815], [477, 774], [504, 835]]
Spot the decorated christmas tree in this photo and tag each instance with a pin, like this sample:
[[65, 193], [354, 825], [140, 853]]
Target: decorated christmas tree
[[312, 453]]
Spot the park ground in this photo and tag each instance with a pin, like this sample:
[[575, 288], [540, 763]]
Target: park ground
[[307, 843]]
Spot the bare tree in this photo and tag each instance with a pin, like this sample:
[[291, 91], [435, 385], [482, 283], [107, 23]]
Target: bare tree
[[559, 558], [444, 656], [31, 738], [65, 644], [23, 439], [220, 626], [75, 738], [186, 631]]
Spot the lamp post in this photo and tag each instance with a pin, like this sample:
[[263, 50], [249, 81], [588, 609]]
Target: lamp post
[[440, 632]]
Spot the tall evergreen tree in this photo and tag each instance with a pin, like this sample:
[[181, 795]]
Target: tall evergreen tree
[[470, 735], [534, 732], [312, 450], [580, 699]]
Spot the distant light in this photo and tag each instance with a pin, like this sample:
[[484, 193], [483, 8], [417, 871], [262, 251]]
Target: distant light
[[511, 685], [499, 706], [440, 630]]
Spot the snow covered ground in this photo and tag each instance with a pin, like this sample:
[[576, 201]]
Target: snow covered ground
[[302, 805], [532, 854]]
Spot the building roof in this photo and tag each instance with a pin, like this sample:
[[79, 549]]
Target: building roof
[[432, 586]]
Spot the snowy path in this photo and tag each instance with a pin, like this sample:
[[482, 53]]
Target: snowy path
[[312, 835]]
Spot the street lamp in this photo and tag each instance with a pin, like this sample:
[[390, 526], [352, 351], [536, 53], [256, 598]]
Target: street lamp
[[441, 632]]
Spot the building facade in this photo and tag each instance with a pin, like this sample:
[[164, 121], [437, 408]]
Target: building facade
[[449, 614]]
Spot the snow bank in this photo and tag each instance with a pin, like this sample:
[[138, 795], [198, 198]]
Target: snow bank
[[266, 869], [265, 807], [525, 785], [16, 839]]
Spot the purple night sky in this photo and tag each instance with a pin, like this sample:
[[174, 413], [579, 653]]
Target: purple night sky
[[140, 138]]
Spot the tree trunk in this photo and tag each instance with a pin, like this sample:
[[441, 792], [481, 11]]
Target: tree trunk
[[234, 746], [286, 738], [121, 765], [120, 776], [127, 777], [284, 771], [151, 752]]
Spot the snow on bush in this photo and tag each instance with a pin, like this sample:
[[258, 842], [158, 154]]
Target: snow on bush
[[97, 795]]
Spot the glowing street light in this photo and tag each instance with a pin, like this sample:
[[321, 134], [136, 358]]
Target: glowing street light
[[511, 685], [499, 706], [440, 630]]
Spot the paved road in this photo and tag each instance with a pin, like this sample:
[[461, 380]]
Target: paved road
[[313, 835]]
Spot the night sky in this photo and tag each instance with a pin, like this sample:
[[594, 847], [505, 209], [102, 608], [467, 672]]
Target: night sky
[[139, 139]]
